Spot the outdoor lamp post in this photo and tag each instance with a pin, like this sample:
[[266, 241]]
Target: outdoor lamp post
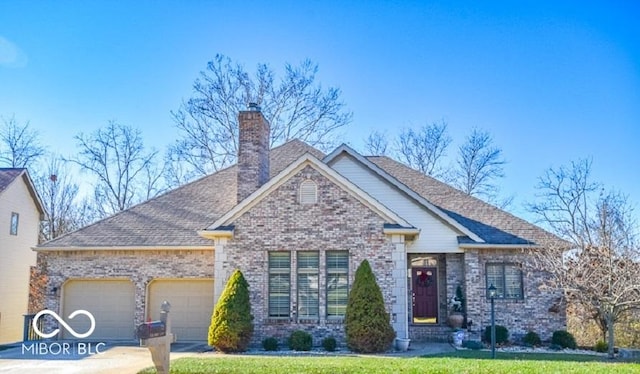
[[492, 296]]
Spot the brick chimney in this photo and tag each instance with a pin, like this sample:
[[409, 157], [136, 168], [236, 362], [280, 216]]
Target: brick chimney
[[253, 151]]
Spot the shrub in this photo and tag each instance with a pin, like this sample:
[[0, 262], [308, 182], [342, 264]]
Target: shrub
[[601, 346], [555, 347], [366, 321], [472, 344], [564, 339], [502, 334], [531, 339], [232, 323], [329, 344], [300, 341], [270, 344]]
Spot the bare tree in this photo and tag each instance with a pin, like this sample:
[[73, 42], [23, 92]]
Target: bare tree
[[65, 212], [125, 173], [295, 106], [377, 143], [425, 148], [479, 165], [19, 145], [599, 269]]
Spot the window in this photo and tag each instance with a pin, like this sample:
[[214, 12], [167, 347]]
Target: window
[[308, 192], [337, 283], [507, 278], [308, 283], [279, 284], [14, 223]]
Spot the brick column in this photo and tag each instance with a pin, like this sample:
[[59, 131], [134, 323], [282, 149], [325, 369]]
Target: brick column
[[475, 292], [399, 308], [220, 268]]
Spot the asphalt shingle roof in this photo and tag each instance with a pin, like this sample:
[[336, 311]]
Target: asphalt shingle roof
[[172, 219], [493, 225]]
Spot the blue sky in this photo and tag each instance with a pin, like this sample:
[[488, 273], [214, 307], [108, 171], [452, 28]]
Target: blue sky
[[552, 81]]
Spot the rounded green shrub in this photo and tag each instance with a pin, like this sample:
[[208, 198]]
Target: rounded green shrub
[[532, 339], [564, 339], [232, 323], [366, 321], [270, 344], [601, 346], [502, 334], [329, 344], [300, 341]]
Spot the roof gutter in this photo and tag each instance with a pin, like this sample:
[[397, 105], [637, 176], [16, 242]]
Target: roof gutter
[[125, 248], [497, 246]]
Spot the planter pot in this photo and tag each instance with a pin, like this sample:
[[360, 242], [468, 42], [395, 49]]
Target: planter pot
[[458, 338], [456, 320], [402, 344]]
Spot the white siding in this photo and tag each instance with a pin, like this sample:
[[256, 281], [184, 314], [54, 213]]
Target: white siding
[[16, 258], [435, 236]]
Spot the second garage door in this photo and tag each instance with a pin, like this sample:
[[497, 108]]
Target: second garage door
[[111, 302], [191, 305]]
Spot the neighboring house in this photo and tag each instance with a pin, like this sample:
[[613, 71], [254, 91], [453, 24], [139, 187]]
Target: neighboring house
[[20, 214], [298, 223]]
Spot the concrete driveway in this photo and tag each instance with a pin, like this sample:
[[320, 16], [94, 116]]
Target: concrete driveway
[[112, 359]]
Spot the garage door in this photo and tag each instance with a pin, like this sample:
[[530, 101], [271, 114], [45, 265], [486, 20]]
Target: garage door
[[111, 303], [191, 305]]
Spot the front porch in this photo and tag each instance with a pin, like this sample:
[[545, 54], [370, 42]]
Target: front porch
[[431, 284]]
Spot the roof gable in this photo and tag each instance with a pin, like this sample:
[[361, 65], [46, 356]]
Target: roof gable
[[9, 175], [434, 210], [222, 225]]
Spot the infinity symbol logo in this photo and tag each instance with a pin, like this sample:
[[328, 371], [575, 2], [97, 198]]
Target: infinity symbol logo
[[63, 323]]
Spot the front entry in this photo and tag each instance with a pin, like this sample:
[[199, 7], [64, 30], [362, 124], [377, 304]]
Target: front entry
[[424, 294]]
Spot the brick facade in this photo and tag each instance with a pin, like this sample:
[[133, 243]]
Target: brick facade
[[279, 222]]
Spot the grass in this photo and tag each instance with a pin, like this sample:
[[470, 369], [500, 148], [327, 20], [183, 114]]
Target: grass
[[457, 362]]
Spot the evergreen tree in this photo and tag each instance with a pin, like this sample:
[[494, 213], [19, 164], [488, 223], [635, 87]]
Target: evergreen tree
[[367, 323], [232, 323]]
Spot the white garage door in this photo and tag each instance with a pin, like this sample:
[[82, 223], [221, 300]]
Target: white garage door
[[191, 305], [110, 301]]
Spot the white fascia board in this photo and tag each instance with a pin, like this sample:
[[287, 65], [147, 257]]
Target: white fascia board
[[402, 187]]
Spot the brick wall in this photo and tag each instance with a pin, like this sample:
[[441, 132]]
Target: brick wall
[[253, 152], [538, 311], [280, 223]]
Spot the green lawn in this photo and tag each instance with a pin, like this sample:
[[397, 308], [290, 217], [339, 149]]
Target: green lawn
[[458, 362]]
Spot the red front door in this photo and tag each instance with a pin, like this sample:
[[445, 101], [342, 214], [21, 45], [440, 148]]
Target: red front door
[[425, 294]]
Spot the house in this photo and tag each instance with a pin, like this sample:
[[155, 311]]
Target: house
[[298, 223], [20, 214]]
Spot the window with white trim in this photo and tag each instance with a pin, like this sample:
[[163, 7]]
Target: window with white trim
[[337, 283], [15, 217], [308, 192], [308, 283], [279, 284], [507, 279]]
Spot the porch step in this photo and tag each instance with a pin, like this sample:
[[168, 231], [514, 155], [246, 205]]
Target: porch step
[[430, 333]]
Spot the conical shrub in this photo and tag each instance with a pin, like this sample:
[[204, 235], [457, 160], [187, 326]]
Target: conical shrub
[[232, 323], [367, 324]]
